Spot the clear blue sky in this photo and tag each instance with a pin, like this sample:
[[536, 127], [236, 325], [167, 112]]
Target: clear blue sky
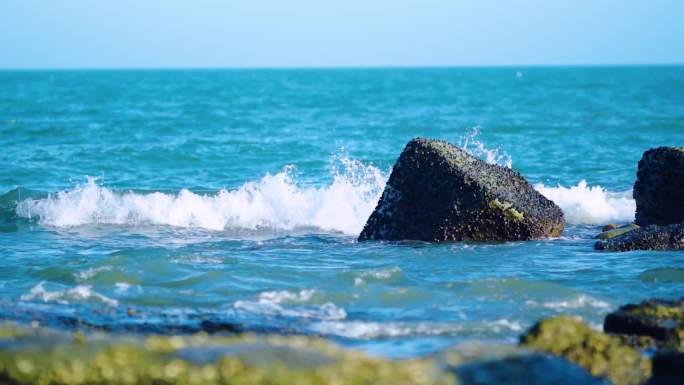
[[303, 33]]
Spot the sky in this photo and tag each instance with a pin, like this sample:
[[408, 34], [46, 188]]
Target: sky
[[337, 33]]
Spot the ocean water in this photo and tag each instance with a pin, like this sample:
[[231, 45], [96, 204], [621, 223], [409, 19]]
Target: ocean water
[[165, 201]]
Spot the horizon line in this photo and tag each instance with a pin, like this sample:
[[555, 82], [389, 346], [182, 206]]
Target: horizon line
[[342, 67]]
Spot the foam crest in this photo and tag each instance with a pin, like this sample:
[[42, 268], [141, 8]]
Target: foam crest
[[290, 304], [276, 202], [80, 293], [591, 205]]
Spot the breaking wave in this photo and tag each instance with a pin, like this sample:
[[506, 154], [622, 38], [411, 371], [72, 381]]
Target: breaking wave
[[276, 202], [591, 205]]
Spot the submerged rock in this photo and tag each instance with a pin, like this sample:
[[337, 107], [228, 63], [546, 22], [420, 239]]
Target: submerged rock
[[438, 192], [659, 188], [612, 232], [661, 320], [652, 237], [601, 354], [530, 369], [509, 365], [41, 356]]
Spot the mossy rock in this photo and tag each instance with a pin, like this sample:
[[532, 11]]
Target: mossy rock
[[614, 232], [41, 356], [601, 354], [438, 192], [652, 237], [662, 320]]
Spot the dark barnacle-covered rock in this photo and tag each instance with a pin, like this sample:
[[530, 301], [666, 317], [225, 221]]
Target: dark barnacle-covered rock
[[661, 320], [659, 188], [652, 237], [601, 354], [438, 192]]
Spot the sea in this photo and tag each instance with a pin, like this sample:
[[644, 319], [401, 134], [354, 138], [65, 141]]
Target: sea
[[230, 200]]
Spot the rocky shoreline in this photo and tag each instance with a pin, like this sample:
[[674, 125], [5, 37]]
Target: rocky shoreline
[[640, 344]]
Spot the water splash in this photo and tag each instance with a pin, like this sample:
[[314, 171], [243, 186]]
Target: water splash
[[475, 147], [591, 205]]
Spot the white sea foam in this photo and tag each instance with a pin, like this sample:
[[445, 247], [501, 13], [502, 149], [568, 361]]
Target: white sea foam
[[290, 304], [79, 293], [275, 202], [369, 330], [591, 205], [578, 302]]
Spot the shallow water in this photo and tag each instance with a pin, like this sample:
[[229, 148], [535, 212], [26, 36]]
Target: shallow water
[[136, 200]]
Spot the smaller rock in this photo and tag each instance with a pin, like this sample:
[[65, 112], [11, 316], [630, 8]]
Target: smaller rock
[[659, 187], [652, 237], [601, 354], [660, 319], [529, 369], [615, 231]]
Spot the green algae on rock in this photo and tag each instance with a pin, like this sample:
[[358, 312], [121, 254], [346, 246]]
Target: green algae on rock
[[601, 354], [615, 231], [438, 192], [662, 320], [40, 356], [651, 237]]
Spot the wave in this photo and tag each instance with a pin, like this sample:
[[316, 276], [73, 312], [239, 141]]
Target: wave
[[276, 202], [289, 304], [371, 330], [591, 205], [80, 293]]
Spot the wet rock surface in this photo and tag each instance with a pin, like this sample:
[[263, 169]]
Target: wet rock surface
[[661, 320], [438, 192], [659, 188], [602, 355], [652, 237]]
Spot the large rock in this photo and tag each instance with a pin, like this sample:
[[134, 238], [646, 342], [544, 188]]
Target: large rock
[[659, 188], [600, 354], [438, 192], [662, 320], [652, 237]]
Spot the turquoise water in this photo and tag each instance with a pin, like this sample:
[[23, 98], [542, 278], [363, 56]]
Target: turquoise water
[[156, 200]]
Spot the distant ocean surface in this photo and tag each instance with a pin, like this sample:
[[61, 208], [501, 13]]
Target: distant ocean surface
[[158, 200]]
